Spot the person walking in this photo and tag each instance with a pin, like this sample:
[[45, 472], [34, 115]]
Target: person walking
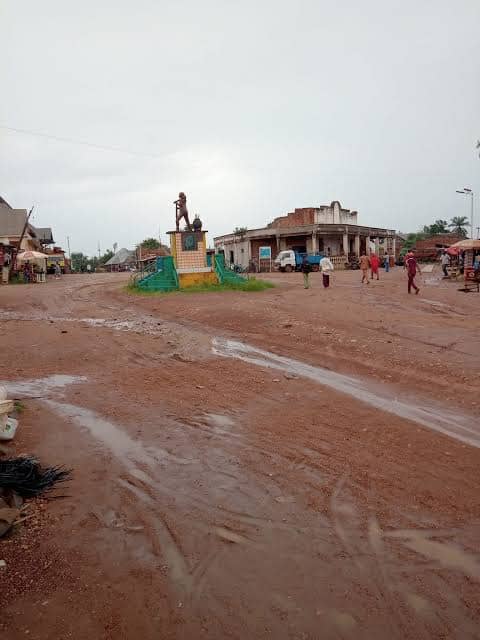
[[364, 266], [327, 268], [374, 265], [306, 269], [412, 267], [445, 260], [386, 263], [26, 272]]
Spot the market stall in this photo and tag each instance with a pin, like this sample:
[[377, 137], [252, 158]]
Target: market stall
[[33, 265], [469, 250]]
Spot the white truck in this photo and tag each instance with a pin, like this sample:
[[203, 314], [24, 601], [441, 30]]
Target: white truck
[[290, 260]]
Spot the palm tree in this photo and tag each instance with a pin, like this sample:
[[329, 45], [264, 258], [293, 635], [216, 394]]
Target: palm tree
[[458, 224]]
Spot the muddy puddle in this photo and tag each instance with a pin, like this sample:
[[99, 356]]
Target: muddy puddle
[[185, 343], [451, 423], [115, 438], [39, 387], [142, 324]]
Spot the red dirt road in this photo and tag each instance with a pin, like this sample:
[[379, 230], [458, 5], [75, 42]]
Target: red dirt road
[[215, 497]]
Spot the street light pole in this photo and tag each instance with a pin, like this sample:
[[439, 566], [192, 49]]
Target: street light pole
[[468, 192]]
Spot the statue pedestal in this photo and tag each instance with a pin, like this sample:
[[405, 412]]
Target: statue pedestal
[[189, 251]]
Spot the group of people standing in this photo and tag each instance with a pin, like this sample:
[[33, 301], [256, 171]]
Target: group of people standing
[[367, 263], [32, 272], [326, 267], [373, 262]]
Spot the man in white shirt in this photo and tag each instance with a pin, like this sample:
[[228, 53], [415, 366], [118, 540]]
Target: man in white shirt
[[327, 268], [445, 260]]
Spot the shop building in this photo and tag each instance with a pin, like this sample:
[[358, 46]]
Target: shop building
[[330, 230]]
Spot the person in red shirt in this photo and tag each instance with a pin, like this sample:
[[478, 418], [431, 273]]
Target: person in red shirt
[[374, 265], [412, 267]]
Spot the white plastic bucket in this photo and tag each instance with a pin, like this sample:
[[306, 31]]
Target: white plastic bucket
[[8, 431], [8, 426]]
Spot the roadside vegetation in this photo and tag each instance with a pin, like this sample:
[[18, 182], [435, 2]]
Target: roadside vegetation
[[252, 284]]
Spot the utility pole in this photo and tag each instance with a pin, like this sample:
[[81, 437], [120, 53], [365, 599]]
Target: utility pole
[[468, 192], [68, 245], [99, 252]]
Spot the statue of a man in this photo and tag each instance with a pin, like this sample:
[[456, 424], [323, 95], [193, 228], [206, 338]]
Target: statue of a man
[[181, 210]]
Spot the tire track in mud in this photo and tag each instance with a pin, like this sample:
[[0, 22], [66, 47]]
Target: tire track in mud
[[383, 578], [436, 553], [144, 465], [163, 481]]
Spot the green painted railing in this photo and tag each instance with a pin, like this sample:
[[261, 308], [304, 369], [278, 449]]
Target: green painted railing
[[224, 274], [163, 278]]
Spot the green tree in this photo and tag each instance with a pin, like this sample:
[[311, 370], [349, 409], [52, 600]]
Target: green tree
[[240, 231], [79, 262], [458, 225], [439, 226], [412, 239], [150, 243], [106, 257]]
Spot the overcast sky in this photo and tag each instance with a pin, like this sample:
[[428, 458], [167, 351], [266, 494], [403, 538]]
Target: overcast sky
[[252, 108]]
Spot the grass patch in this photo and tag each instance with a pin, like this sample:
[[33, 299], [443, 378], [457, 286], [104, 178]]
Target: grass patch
[[131, 288], [17, 280], [18, 406], [252, 284]]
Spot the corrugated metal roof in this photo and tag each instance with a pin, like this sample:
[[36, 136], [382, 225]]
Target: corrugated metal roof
[[44, 234], [122, 256], [4, 202], [12, 221]]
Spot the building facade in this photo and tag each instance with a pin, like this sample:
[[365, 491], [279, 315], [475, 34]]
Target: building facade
[[13, 222], [18, 234], [330, 230], [123, 260]]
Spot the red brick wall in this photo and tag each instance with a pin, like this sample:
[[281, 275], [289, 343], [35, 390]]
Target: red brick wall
[[295, 218], [439, 239], [430, 247]]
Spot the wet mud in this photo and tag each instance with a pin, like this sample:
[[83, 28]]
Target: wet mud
[[222, 489]]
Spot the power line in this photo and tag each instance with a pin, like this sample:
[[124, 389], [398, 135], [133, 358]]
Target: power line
[[102, 147]]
